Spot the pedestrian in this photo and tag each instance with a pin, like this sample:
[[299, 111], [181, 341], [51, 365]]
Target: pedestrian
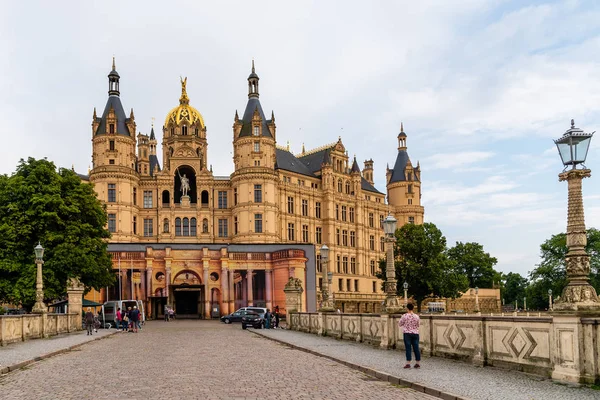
[[89, 320], [124, 320], [171, 313], [277, 317], [268, 319], [135, 313], [166, 313], [129, 326], [410, 327], [119, 319]]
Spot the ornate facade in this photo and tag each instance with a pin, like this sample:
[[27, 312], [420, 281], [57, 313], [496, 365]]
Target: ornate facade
[[208, 244]]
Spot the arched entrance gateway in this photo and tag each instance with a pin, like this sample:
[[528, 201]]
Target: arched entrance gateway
[[188, 295]]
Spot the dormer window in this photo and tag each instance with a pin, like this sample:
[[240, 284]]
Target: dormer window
[[111, 128], [256, 147], [256, 131]]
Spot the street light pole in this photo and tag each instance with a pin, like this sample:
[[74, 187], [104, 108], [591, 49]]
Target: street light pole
[[549, 299], [39, 307], [326, 300], [392, 305], [477, 300], [405, 293], [578, 295]]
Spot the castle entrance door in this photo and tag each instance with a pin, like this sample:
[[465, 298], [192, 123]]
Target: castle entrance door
[[187, 302]]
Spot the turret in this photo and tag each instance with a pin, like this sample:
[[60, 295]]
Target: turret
[[368, 171]]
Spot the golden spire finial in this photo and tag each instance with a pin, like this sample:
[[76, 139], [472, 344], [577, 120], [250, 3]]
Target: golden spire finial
[[114, 68], [184, 99]]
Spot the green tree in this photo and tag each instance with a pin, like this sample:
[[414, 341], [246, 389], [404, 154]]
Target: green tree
[[39, 203], [475, 263], [550, 272], [421, 261], [514, 288]]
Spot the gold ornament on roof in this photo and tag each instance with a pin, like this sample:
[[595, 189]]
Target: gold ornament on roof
[[184, 113]]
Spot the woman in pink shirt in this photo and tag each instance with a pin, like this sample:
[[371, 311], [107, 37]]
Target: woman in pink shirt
[[410, 327]]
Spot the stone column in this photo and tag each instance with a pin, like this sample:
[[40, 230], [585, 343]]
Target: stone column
[[224, 291], [244, 288], [206, 290], [250, 283], [268, 289], [392, 303], [149, 289], [293, 295], [578, 295], [75, 291], [39, 307], [232, 295], [168, 281]]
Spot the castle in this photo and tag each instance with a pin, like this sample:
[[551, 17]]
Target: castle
[[208, 244]]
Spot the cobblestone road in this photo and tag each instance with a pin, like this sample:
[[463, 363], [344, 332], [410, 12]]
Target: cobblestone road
[[192, 360]]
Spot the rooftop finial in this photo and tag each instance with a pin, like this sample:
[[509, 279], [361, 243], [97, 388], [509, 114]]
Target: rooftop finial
[[572, 123], [184, 99], [253, 66], [153, 122], [288, 145], [401, 126], [114, 68]]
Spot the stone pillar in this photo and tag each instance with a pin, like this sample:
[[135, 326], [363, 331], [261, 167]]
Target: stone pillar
[[149, 289], [269, 289], [75, 291], [293, 295], [250, 286], [244, 289], [168, 281], [578, 295], [224, 291], [392, 303], [232, 295], [567, 357], [321, 328], [206, 290], [386, 332], [39, 306]]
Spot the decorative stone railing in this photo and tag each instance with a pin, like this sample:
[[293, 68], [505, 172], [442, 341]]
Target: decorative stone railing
[[17, 328], [563, 347]]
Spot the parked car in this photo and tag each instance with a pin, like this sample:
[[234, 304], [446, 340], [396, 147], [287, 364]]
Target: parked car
[[253, 319], [233, 317]]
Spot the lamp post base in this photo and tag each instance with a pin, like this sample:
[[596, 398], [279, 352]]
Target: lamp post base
[[393, 305], [578, 297], [39, 308]]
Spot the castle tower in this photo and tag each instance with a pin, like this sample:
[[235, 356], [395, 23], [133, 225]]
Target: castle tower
[[184, 148], [254, 180], [114, 163], [404, 186], [143, 154], [368, 171]]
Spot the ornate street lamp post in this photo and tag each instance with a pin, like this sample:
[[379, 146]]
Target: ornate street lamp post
[[549, 299], [405, 293], [392, 305], [39, 307], [326, 303], [578, 295], [477, 299], [330, 298]]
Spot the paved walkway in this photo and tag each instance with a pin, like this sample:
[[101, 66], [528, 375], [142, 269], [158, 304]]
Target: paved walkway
[[17, 355], [186, 359], [460, 378]]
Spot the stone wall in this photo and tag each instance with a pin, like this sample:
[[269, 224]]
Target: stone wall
[[17, 328], [563, 347]]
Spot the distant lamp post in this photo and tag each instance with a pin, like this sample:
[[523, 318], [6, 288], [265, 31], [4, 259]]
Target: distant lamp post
[[392, 305], [578, 295], [330, 298], [477, 299], [524, 303], [325, 298], [39, 307], [549, 299], [405, 293]]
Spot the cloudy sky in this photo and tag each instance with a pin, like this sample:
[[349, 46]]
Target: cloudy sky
[[481, 86]]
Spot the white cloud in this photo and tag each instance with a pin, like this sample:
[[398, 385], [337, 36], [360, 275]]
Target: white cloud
[[453, 160]]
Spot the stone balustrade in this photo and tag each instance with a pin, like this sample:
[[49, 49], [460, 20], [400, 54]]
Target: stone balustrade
[[17, 328], [562, 347]]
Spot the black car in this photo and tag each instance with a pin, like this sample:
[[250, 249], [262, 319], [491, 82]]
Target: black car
[[253, 319], [233, 317]]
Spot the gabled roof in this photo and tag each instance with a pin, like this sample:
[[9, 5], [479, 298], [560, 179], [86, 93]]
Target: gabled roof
[[288, 162], [153, 162], [365, 185], [121, 128], [253, 105], [313, 161]]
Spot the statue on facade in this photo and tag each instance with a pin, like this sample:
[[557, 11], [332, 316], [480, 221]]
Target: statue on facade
[[185, 183]]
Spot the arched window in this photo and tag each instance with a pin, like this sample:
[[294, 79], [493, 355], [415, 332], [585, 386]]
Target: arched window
[[204, 198], [204, 225], [192, 226], [184, 130], [166, 225], [177, 226], [347, 187], [166, 197], [186, 227], [340, 186]]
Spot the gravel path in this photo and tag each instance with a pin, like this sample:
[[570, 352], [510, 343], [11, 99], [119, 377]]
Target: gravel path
[[460, 378]]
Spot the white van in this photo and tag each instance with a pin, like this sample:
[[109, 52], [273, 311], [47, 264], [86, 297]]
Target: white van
[[110, 309]]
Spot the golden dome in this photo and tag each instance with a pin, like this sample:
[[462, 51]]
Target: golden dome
[[184, 113]]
